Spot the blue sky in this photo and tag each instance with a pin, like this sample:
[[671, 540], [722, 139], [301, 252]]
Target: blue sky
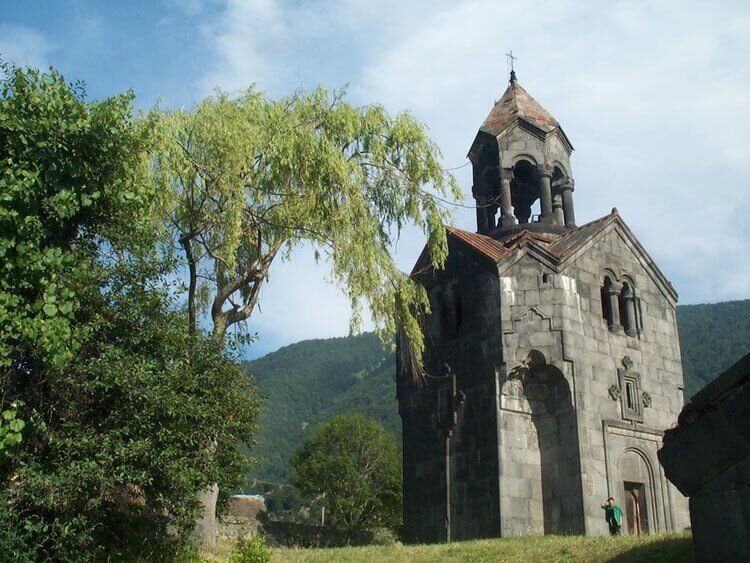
[[655, 97]]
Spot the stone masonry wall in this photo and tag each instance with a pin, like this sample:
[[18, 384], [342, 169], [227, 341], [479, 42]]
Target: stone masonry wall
[[560, 315], [457, 492], [540, 487], [611, 447]]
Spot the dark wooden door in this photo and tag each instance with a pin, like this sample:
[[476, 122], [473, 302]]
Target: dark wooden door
[[635, 509], [632, 515]]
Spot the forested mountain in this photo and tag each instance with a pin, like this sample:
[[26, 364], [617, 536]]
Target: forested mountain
[[302, 384], [308, 382], [712, 337]]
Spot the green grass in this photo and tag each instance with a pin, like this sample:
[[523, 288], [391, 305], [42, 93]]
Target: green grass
[[657, 548]]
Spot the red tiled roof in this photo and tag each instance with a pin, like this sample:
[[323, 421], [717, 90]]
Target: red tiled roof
[[558, 245], [485, 245], [572, 240]]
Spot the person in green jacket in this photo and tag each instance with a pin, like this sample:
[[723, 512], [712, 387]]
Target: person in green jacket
[[613, 516]]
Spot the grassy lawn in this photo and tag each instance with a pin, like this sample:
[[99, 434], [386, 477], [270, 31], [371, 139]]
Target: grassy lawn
[[661, 548]]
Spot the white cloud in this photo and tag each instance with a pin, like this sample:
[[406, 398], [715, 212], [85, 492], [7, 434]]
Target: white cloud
[[24, 46], [284, 45], [243, 39]]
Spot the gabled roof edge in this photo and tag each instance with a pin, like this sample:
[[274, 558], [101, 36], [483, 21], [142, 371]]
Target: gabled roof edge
[[647, 262]]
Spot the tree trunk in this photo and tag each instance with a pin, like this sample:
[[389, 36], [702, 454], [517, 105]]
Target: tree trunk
[[204, 534], [187, 245], [253, 277]]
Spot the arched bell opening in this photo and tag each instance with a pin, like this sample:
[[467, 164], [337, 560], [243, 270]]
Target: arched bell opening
[[525, 192], [558, 175], [559, 179], [562, 197], [486, 189], [490, 190]]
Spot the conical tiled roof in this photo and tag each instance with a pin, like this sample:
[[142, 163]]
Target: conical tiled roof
[[517, 102]]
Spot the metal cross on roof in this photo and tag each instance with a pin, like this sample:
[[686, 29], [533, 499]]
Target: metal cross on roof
[[511, 58]]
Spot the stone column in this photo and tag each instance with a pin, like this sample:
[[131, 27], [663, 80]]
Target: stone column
[[545, 189], [490, 210], [613, 294], [557, 209], [629, 321], [482, 226], [567, 201], [506, 204], [522, 211]]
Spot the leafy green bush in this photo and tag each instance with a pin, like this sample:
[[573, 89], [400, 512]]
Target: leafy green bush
[[253, 550], [15, 541], [383, 536], [126, 413], [11, 430]]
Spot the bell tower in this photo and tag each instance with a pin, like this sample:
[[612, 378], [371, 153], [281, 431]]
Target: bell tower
[[551, 357], [521, 156]]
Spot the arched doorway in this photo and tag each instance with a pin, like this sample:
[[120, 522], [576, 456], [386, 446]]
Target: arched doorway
[[638, 491], [553, 416]]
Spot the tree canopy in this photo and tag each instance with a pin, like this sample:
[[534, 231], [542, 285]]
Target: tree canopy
[[107, 400], [355, 463], [250, 178], [71, 174]]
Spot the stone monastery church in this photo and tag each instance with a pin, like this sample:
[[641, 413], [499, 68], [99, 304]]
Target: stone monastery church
[[552, 357]]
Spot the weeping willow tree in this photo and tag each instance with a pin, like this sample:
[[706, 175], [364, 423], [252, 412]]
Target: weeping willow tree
[[249, 179]]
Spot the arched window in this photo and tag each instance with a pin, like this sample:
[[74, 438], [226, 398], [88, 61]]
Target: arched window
[[453, 311], [606, 306], [620, 306], [459, 313], [437, 312], [627, 309]]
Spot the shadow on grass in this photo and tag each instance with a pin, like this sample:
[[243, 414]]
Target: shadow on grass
[[662, 551]]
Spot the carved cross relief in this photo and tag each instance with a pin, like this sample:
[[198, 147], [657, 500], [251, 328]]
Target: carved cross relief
[[628, 391]]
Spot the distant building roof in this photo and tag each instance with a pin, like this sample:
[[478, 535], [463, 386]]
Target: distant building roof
[[247, 506], [255, 496]]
